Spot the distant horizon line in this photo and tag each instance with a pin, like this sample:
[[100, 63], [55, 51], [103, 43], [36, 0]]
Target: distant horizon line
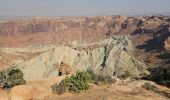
[[130, 15]]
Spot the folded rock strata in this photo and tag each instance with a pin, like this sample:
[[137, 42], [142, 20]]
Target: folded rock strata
[[112, 56]]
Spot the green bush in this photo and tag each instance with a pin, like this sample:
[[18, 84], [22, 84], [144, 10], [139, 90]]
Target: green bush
[[62, 87], [73, 84], [78, 82], [11, 77], [83, 76], [150, 87]]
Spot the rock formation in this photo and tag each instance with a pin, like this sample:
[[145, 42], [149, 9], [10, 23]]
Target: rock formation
[[112, 56], [45, 48], [82, 42]]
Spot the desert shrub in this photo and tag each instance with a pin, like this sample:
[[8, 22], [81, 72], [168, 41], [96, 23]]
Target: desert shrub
[[11, 77], [78, 82], [73, 84], [62, 87], [150, 87], [100, 79], [125, 75], [83, 76]]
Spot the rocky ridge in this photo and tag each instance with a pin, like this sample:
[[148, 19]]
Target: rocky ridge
[[112, 56]]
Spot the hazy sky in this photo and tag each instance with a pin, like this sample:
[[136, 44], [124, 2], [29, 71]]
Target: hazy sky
[[82, 7]]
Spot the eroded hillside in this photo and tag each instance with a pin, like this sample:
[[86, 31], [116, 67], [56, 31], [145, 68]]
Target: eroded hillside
[[149, 34], [48, 47]]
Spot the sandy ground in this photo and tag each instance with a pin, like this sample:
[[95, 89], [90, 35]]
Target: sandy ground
[[41, 90], [130, 91]]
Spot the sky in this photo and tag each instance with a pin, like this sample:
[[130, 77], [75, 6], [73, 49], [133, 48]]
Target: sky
[[83, 7]]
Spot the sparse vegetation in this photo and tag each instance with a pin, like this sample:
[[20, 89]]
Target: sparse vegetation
[[125, 75], [101, 79], [150, 87], [11, 77], [73, 84], [79, 82]]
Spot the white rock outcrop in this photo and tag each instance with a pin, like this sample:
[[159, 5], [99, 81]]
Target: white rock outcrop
[[112, 56]]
